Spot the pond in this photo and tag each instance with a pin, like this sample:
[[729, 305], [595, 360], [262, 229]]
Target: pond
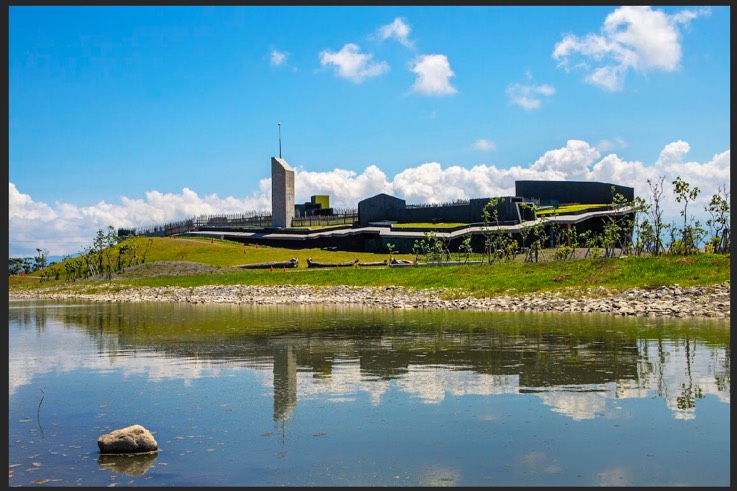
[[316, 395]]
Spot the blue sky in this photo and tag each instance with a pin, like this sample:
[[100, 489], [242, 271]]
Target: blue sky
[[130, 116]]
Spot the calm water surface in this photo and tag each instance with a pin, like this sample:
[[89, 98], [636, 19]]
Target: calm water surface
[[331, 396]]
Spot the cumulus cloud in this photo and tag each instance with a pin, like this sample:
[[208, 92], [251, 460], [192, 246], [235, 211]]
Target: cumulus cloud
[[634, 38], [345, 188], [574, 160], [527, 96], [397, 30], [64, 228], [484, 145], [350, 63], [433, 75], [278, 58], [707, 176]]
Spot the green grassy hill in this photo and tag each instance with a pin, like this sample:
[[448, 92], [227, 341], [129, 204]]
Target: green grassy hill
[[230, 253], [194, 261]]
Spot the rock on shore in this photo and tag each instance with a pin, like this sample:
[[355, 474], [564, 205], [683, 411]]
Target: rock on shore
[[672, 301]]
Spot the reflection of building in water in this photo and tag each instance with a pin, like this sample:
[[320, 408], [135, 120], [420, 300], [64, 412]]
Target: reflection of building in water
[[612, 359], [285, 382]]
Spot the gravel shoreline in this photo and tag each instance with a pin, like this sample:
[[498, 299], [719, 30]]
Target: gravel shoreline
[[673, 301]]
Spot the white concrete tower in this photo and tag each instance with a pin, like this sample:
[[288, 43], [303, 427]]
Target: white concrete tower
[[282, 193]]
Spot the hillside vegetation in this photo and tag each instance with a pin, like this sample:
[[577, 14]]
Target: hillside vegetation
[[190, 262]]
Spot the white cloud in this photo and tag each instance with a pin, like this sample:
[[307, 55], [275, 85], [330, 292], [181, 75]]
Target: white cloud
[[573, 160], [632, 38], [606, 145], [278, 58], [484, 145], [344, 187], [64, 228], [397, 30], [433, 75], [352, 64], [707, 176], [67, 229], [526, 96], [21, 206]]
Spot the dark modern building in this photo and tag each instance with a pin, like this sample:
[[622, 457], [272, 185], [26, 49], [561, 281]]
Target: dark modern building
[[554, 193], [385, 208], [511, 210], [379, 218]]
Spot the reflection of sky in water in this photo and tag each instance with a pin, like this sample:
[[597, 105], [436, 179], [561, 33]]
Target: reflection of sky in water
[[429, 409], [61, 349]]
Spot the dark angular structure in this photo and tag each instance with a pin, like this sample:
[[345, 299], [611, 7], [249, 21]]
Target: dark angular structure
[[561, 192], [385, 208]]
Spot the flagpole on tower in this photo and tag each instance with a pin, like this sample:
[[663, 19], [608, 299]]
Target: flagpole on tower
[[279, 139]]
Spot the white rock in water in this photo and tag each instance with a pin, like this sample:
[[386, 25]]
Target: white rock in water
[[133, 439]]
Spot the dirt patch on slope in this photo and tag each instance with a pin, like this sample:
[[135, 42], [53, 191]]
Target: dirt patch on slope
[[170, 268]]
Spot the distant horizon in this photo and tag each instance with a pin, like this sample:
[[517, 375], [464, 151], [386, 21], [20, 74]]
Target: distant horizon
[[130, 115]]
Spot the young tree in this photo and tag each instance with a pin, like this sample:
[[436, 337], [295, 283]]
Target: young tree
[[718, 208], [418, 249], [28, 265], [123, 252], [617, 231], [390, 247], [15, 265], [524, 231], [645, 238], [590, 241], [655, 212], [98, 246], [465, 249], [536, 235], [690, 231], [498, 243], [147, 246], [640, 209], [567, 240], [40, 259], [431, 247]]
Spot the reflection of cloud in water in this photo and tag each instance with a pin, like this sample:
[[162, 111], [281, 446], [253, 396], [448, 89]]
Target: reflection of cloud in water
[[40, 357], [431, 384], [537, 462], [344, 382], [665, 372], [617, 476], [533, 458], [22, 371], [438, 476], [577, 405]]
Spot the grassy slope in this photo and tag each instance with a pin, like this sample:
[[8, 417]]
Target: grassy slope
[[477, 280]]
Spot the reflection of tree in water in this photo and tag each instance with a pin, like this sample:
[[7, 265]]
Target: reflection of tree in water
[[683, 385], [689, 391], [538, 350], [27, 317]]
